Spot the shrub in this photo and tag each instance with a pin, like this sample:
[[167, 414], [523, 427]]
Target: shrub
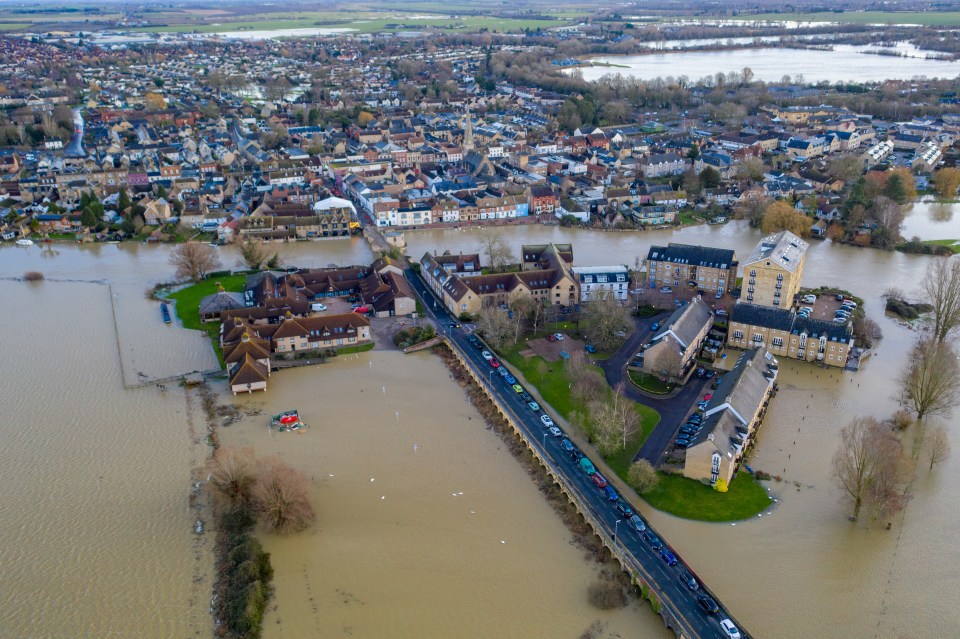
[[902, 419], [281, 497], [414, 335], [606, 594], [642, 477], [720, 485], [33, 276]]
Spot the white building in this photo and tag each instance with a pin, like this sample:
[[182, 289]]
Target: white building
[[593, 279]]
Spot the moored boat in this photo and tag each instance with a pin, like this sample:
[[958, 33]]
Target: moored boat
[[165, 311], [24, 242]]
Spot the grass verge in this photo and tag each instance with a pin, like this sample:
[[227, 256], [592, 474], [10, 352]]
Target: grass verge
[[690, 499], [650, 383]]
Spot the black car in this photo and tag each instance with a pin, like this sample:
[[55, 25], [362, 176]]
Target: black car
[[696, 418], [473, 339], [525, 396], [682, 443], [576, 455], [701, 372], [708, 604], [689, 430], [688, 580], [624, 509], [710, 374], [653, 540]]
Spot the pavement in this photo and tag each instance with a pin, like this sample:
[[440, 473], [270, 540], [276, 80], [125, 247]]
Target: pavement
[[679, 604], [673, 409]]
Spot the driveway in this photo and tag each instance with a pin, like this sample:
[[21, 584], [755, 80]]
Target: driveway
[[673, 410]]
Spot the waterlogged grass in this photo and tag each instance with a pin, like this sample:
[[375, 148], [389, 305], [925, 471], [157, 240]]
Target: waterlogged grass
[[926, 18], [690, 499]]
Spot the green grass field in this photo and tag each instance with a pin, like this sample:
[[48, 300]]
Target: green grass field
[[925, 18], [692, 500], [187, 305], [650, 383], [953, 244]]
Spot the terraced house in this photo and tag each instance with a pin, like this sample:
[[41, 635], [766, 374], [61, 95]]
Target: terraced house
[[773, 270], [707, 268], [786, 334], [732, 418]]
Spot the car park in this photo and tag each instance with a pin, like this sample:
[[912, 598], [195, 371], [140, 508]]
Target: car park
[[556, 432], [708, 604], [566, 444], [624, 509], [599, 480], [547, 421], [729, 629], [535, 407], [611, 493], [688, 580], [637, 523], [486, 355], [653, 540], [668, 557]]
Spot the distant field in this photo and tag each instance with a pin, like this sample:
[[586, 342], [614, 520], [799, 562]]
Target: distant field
[[370, 25], [926, 18], [13, 26]]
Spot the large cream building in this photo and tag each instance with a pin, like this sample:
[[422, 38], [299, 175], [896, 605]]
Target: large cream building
[[773, 270]]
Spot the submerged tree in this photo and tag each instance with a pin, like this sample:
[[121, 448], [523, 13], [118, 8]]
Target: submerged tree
[[233, 475], [252, 254], [941, 289], [281, 497], [868, 467], [931, 381]]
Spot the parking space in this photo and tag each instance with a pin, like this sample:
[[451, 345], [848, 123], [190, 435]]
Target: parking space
[[824, 308]]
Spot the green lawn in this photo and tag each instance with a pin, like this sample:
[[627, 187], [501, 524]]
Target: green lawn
[[692, 500], [359, 348], [954, 245], [926, 18], [187, 305], [554, 388], [651, 383]]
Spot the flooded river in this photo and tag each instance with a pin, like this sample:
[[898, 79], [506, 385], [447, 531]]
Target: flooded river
[[97, 530]]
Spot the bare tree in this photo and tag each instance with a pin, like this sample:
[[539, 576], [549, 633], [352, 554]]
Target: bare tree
[[889, 217], [495, 325], [252, 254], [233, 475], [604, 426], [868, 465], [194, 260], [495, 248], [751, 207], [941, 289], [606, 319], [666, 362], [642, 477], [939, 446], [585, 382], [847, 167], [931, 381], [522, 308], [628, 420], [282, 498]]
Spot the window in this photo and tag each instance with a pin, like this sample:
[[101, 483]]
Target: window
[[757, 337], [738, 335], [777, 341], [753, 273]]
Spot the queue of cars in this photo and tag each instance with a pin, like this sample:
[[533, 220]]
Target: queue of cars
[[624, 511]]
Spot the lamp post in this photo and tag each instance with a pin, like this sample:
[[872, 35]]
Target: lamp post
[[544, 441], [616, 526]]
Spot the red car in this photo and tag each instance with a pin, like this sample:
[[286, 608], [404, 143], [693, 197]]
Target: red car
[[361, 309], [495, 363], [599, 480], [552, 338], [708, 397]]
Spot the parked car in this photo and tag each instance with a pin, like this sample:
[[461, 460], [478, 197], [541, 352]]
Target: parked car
[[317, 307], [552, 338], [535, 407], [708, 397], [590, 348], [701, 404], [695, 418], [653, 540], [689, 430], [599, 480], [587, 466], [525, 396], [576, 455], [729, 629], [701, 372], [566, 444], [708, 604], [637, 523], [558, 337], [711, 374], [611, 493], [510, 379], [624, 509], [556, 432], [547, 421], [666, 289], [682, 443], [486, 355], [668, 557], [808, 309], [688, 580], [809, 299], [839, 297], [473, 339], [655, 326], [721, 313], [495, 363], [719, 294], [839, 320]]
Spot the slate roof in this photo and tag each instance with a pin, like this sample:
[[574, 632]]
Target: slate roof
[[786, 320], [686, 322], [784, 248], [695, 255]]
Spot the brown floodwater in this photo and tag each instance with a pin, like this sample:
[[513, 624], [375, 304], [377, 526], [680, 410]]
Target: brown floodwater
[[96, 528]]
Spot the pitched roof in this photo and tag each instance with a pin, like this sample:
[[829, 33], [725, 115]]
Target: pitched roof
[[786, 320], [784, 248], [686, 322], [695, 255], [248, 371]]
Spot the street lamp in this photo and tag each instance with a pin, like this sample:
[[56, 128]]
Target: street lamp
[[616, 525], [544, 441]]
